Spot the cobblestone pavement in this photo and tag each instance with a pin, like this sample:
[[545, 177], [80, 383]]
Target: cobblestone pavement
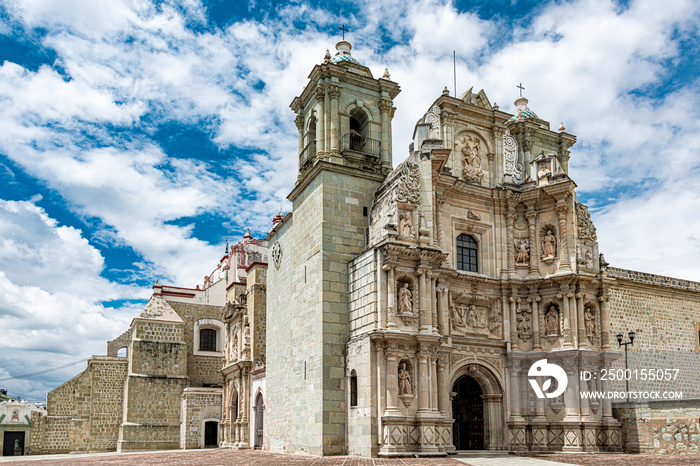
[[257, 458], [620, 459]]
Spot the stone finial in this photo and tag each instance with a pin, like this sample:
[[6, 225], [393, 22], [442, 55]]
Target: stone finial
[[495, 106], [247, 234], [157, 283], [562, 128], [445, 91], [386, 74], [277, 219], [327, 56]]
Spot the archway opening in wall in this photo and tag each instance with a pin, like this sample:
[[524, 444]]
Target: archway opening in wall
[[211, 434], [259, 410], [359, 129], [468, 413]]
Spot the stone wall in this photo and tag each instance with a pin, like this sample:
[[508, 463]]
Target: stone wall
[[362, 418], [198, 406], [663, 427], [202, 370], [362, 289]]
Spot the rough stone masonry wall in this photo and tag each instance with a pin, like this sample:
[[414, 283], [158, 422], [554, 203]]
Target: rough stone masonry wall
[[201, 369], [107, 403], [662, 311], [197, 407], [661, 427]]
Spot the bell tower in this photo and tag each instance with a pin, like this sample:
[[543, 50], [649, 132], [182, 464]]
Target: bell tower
[[344, 115], [344, 120]]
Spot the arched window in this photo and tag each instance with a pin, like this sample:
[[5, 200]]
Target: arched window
[[466, 254], [353, 388], [207, 339]]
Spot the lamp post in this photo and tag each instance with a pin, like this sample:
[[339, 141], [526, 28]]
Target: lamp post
[[620, 343]]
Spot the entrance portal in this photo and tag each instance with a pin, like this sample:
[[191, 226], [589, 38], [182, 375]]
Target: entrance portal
[[211, 429], [259, 422], [468, 412], [14, 444]]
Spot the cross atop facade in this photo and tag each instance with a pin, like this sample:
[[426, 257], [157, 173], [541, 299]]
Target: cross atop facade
[[344, 31], [520, 86]]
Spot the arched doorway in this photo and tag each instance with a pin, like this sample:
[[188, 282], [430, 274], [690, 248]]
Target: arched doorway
[[477, 407], [259, 421], [468, 412]]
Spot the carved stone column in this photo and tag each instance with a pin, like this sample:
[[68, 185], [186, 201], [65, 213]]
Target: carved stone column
[[582, 339], [442, 392], [392, 381], [513, 324], [327, 123], [564, 296], [320, 121], [434, 386], [442, 311], [390, 297], [564, 263], [334, 93], [423, 384], [574, 319], [510, 245], [532, 226], [299, 121], [385, 109], [604, 322], [433, 303], [534, 301], [424, 325], [515, 393]]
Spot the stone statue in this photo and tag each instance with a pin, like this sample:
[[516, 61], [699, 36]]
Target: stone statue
[[406, 225], [552, 321], [523, 323], [471, 158], [589, 321], [458, 315], [405, 300], [549, 245], [233, 351], [523, 251], [472, 318], [15, 415], [544, 172], [404, 381]]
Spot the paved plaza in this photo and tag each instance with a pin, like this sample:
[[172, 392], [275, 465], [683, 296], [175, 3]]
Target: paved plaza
[[260, 458]]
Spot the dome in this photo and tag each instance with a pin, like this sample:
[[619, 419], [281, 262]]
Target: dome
[[343, 55], [522, 111]]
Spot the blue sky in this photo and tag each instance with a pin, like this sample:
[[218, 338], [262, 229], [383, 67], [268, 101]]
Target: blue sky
[[138, 136]]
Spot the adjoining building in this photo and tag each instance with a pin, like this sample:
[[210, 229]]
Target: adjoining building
[[403, 310]]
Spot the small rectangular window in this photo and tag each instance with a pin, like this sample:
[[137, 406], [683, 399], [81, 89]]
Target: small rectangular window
[[207, 339]]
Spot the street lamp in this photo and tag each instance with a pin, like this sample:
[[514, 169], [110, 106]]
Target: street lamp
[[620, 343]]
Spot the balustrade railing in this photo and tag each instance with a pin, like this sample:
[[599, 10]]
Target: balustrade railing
[[361, 144], [308, 154]]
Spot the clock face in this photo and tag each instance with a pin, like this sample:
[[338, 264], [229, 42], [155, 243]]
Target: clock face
[[277, 254]]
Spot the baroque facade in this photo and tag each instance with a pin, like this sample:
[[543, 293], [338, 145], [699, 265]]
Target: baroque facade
[[402, 310]]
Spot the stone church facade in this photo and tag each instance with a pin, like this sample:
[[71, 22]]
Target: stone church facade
[[397, 311]]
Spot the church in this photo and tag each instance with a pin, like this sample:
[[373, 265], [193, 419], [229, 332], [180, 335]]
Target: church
[[398, 311]]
